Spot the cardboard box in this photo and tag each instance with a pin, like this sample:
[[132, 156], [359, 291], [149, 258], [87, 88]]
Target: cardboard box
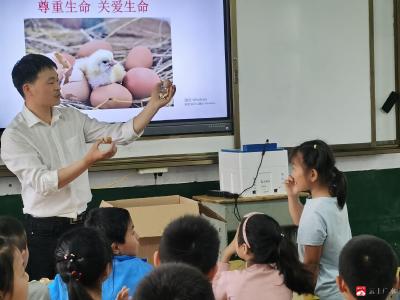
[[151, 215]]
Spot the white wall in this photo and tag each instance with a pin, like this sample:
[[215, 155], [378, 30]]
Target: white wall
[[384, 68], [304, 71], [384, 62]]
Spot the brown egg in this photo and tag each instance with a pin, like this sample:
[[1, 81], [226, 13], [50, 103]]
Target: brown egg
[[77, 91], [112, 95], [140, 82], [139, 57], [93, 46], [77, 88]]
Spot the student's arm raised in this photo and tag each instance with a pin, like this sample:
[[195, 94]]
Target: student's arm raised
[[295, 206]]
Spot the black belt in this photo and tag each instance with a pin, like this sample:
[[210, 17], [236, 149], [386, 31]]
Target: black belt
[[78, 220]]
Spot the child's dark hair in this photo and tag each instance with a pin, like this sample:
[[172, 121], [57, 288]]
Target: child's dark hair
[[174, 281], [192, 240], [318, 155], [7, 252], [113, 222], [368, 261], [12, 230], [269, 246], [27, 69], [82, 255]]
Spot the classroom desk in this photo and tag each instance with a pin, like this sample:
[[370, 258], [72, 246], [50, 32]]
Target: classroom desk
[[274, 205]]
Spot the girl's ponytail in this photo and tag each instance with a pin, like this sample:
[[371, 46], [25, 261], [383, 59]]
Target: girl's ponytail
[[72, 277], [82, 258], [296, 277], [338, 186]]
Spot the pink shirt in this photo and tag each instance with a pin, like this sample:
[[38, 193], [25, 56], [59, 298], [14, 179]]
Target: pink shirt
[[257, 282]]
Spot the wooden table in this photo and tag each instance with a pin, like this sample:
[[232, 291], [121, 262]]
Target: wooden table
[[274, 205]]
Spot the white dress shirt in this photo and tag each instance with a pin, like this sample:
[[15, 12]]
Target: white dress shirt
[[34, 151]]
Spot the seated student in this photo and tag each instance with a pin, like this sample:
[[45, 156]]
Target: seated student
[[174, 281], [13, 278], [367, 268], [83, 261], [192, 240], [117, 226], [273, 269], [12, 230]]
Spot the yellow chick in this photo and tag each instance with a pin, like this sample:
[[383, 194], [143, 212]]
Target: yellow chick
[[100, 68]]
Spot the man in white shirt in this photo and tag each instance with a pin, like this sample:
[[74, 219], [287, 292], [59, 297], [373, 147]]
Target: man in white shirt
[[45, 147]]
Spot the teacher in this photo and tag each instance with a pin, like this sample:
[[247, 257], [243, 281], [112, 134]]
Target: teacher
[[45, 147]]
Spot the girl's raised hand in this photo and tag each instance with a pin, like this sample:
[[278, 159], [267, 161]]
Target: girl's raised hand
[[123, 294], [230, 250], [290, 187]]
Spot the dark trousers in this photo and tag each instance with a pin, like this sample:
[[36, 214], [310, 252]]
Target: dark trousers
[[42, 234]]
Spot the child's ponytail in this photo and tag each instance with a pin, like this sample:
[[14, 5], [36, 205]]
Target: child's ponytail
[[72, 277], [82, 259], [296, 276], [338, 186]]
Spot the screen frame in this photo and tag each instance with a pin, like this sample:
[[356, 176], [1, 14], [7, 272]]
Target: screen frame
[[188, 159]]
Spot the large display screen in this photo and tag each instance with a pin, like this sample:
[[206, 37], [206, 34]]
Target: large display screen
[[111, 53]]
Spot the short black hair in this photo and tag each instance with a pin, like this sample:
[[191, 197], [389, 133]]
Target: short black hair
[[12, 230], [113, 222], [26, 70], [192, 240], [368, 261], [7, 252], [174, 281]]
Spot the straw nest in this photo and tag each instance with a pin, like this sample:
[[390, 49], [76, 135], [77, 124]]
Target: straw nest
[[68, 35]]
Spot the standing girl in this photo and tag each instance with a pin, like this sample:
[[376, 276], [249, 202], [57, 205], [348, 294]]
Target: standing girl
[[323, 221], [273, 269]]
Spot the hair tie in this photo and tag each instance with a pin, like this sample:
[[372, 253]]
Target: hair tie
[[76, 275], [71, 257], [282, 236], [315, 146]]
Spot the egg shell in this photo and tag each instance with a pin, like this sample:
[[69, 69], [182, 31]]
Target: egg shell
[[122, 96], [69, 58], [93, 46], [77, 87], [139, 56], [140, 82], [60, 68]]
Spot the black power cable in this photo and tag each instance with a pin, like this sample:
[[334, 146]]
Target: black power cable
[[236, 196]]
